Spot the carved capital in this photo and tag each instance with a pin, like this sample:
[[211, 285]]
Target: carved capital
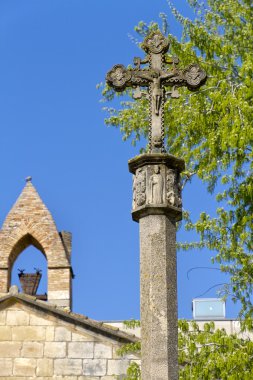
[[156, 186]]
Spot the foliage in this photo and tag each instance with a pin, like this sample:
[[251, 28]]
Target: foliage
[[213, 354], [205, 353], [133, 371], [212, 130], [132, 323]]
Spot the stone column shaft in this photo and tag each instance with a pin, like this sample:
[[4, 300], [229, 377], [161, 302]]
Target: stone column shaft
[[158, 298], [157, 206]]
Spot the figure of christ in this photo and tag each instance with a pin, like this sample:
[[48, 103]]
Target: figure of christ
[[156, 185], [156, 77]]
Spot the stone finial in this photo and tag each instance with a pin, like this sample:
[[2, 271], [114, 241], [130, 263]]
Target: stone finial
[[28, 179], [13, 290]]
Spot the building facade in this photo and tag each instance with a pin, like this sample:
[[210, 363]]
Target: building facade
[[40, 336]]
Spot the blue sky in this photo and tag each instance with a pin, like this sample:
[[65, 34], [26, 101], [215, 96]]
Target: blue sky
[[53, 53]]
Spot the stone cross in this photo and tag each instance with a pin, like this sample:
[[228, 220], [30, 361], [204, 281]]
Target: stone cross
[[156, 77], [157, 205]]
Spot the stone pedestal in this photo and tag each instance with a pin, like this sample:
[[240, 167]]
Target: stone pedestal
[[157, 205]]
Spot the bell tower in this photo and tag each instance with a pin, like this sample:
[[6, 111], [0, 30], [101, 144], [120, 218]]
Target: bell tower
[[29, 222]]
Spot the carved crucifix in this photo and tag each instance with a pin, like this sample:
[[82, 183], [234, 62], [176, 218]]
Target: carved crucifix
[[156, 77]]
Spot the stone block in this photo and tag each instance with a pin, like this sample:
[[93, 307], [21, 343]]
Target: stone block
[[2, 317], [24, 367], [10, 349], [62, 334], [19, 378], [117, 367], [102, 351], [45, 367], [59, 294], [17, 318], [115, 352], [5, 333], [29, 333], [6, 367], [81, 350], [76, 337], [50, 333], [3, 279], [55, 349], [94, 367], [36, 320], [32, 350], [68, 367], [63, 304], [14, 306]]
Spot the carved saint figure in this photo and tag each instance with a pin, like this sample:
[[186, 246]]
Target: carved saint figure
[[173, 194], [139, 188], [156, 185]]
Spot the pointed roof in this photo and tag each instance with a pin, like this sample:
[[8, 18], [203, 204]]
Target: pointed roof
[[28, 203], [30, 222]]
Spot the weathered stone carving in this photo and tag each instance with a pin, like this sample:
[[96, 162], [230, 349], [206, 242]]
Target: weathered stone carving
[[139, 188], [194, 75], [173, 189], [155, 43], [156, 77], [156, 187], [118, 76]]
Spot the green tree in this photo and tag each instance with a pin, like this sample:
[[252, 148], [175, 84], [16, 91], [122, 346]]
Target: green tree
[[213, 354], [212, 130], [204, 353]]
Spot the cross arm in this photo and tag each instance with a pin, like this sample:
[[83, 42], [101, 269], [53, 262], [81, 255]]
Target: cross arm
[[193, 77], [119, 77]]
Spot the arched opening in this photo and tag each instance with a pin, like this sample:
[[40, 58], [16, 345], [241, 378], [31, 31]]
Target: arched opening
[[28, 257]]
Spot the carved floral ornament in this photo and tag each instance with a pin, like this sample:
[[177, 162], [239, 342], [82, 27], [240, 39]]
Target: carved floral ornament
[[118, 76], [155, 43], [194, 75]]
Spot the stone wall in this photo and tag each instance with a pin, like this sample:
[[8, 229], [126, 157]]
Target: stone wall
[[34, 345]]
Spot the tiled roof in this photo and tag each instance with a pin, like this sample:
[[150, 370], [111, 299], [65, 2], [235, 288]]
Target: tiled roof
[[81, 320]]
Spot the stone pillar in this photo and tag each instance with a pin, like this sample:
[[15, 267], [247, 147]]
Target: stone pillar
[[157, 206], [60, 286], [4, 280]]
